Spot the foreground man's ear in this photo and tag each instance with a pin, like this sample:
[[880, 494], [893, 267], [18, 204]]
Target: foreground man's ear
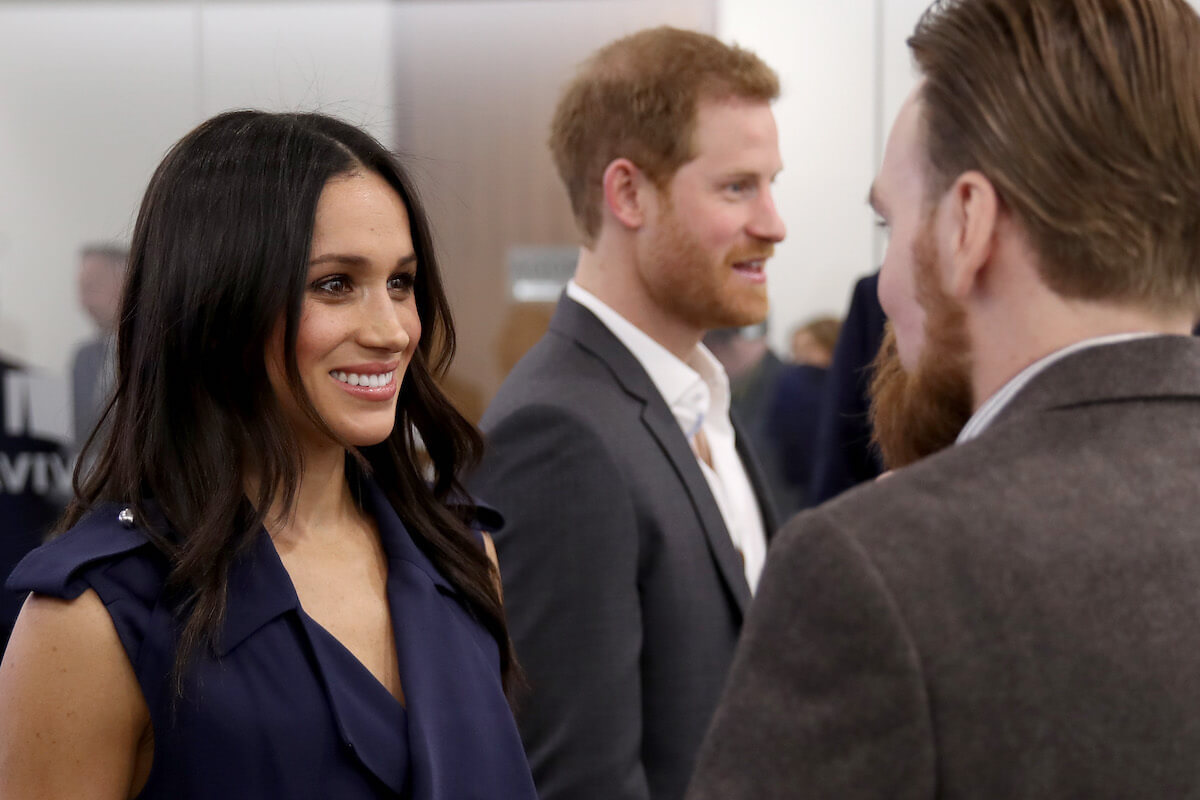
[[969, 214]]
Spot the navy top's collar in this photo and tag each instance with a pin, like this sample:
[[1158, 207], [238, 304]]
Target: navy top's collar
[[260, 589], [397, 543]]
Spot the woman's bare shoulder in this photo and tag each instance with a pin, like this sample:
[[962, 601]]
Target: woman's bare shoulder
[[71, 712]]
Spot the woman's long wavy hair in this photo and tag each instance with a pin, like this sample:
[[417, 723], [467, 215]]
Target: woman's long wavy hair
[[219, 257]]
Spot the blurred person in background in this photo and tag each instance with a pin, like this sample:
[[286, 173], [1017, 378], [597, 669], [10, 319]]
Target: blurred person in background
[[637, 522], [101, 274], [778, 404], [1014, 611], [813, 341], [795, 411], [844, 452], [261, 593], [754, 372]]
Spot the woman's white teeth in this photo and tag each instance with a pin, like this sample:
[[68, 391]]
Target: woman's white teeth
[[370, 381]]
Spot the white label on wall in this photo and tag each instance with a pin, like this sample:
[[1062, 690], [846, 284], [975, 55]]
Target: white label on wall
[[538, 274]]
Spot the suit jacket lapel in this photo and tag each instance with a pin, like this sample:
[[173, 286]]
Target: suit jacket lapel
[[576, 322], [663, 427]]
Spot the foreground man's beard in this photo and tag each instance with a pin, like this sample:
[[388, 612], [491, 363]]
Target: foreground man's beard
[[917, 414]]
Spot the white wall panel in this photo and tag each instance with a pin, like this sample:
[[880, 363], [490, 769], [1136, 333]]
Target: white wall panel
[[897, 73], [824, 53], [91, 94], [333, 57]]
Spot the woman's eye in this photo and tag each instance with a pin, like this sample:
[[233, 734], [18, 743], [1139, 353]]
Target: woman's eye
[[332, 285], [402, 282]]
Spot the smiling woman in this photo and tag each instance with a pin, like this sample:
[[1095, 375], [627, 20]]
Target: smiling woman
[[259, 594]]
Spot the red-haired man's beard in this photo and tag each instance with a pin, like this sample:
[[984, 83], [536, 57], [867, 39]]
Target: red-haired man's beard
[[919, 413]]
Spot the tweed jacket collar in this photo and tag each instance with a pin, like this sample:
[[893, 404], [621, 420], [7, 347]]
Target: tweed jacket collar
[[1156, 367]]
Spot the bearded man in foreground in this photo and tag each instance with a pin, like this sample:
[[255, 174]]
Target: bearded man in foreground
[[1017, 612]]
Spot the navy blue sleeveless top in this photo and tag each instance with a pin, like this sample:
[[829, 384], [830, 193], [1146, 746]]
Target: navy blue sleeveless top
[[281, 708]]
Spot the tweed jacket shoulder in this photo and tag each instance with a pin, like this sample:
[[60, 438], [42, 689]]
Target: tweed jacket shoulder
[[1017, 616]]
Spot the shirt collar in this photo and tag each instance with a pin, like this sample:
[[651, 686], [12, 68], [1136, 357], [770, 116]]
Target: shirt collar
[[696, 390], [991, 408]]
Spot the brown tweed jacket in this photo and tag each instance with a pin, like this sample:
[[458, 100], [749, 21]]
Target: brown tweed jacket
[[1015, 617]]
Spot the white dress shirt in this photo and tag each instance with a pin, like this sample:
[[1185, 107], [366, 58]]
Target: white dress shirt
[[697, 392], [991, 408]]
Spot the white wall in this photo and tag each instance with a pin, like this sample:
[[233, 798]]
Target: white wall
[[844, 69], [897, 73], [93, 93], [333, 57], [82, 122]]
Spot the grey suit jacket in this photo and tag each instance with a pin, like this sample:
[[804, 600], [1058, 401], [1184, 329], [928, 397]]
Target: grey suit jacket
[[1015, 617], [624, 593]]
